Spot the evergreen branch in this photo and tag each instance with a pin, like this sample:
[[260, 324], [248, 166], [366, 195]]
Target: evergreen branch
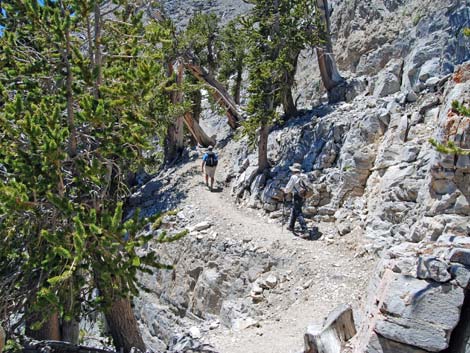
[[450, 148], [460, 108]]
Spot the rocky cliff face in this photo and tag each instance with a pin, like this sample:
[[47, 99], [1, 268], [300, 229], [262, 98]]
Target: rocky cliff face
[[374, 169], [415, 281], [370, 158], [426, 35], [181, 11]]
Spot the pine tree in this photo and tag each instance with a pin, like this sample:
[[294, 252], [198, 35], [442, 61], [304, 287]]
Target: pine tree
[[233, 55], [82, 95], [277, 30], [201, 40]]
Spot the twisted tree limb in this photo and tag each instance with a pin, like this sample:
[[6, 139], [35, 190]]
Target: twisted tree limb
[[218, 91]]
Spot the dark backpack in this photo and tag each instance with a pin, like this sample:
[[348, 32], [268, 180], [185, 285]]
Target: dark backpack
[[304, 190], [211, 160]]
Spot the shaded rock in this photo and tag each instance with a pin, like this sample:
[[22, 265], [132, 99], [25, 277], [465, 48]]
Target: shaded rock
[[344, 226], [187, 344], [411, 97], [432, 268], [243, 182], [379, 344], [432, 82], [460, 340], [270, 207], [461, 274], [461, 256], [429, 103], [256, 298], [419, 313], [256, 289]]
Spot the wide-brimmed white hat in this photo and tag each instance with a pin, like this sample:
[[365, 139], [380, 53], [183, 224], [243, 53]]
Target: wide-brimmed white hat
[[210, 148], [296, 167]]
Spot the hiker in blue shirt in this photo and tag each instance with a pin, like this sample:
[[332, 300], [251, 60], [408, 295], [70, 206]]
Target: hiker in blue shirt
[[209, 164]]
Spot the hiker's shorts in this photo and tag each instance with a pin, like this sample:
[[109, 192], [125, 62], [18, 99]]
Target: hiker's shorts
[[210, 171]]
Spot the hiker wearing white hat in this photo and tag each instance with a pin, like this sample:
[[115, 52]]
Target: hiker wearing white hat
[[297, 185]]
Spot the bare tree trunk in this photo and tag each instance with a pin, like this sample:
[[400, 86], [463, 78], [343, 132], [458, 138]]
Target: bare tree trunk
[[120, 317], [71, 312], [70, 331], [290, 109], [197, 132], [50, 329], [288, 103], [174, 144], [219, 93], [329, 72], [123, 326], [263, 163]]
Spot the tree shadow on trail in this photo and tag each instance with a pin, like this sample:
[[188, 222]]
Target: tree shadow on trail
[[315, 234], [312, 234], [156, 196]]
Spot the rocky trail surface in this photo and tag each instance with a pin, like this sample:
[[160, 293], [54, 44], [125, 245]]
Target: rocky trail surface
[[303, 281]]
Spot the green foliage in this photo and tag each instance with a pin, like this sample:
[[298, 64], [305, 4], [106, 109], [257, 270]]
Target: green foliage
[[233, 54], [466, 31], [460, 108], [201, 39], [451, 147], [12, 346], [276, 35], [233, 50], [63, 228]]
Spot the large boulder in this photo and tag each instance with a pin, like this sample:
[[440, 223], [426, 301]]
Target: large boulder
[[387, 84], [414, 302]]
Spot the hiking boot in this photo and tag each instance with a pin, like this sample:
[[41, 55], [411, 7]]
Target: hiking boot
[[290, 229]]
